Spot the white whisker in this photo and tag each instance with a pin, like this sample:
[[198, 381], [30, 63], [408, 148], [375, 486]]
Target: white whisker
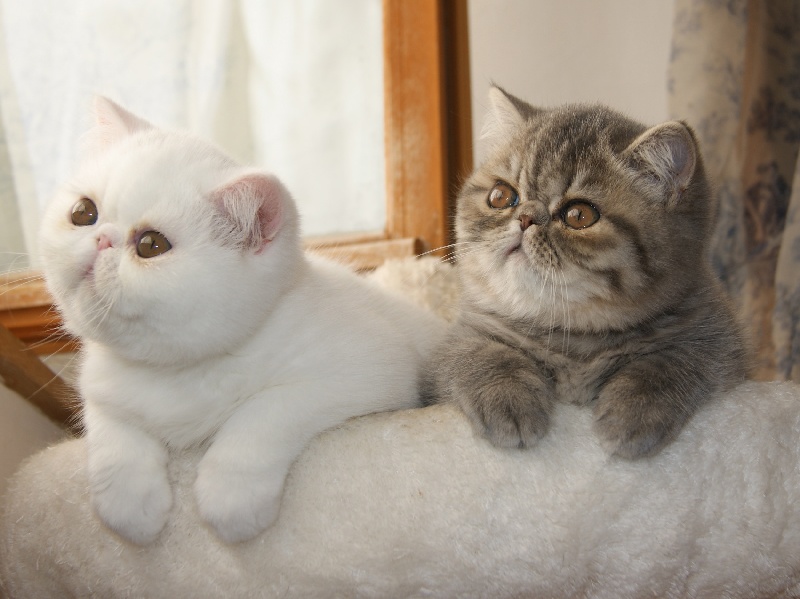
[[17, 282], [552, 304], [565, 310], [443, 247]]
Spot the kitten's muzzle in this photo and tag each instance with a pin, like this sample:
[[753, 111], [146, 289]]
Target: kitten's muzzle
[[534, 215], [104, 242]]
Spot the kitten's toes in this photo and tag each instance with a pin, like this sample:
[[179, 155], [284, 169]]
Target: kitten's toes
[[508, 421], [236, 505], [133, 501], [631, 427]]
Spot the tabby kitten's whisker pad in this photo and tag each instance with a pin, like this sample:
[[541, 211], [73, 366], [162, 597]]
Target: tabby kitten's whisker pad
[[585, 225]]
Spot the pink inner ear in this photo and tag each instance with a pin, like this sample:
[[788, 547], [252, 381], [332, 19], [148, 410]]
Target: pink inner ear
[[254, 205], [270, 209]]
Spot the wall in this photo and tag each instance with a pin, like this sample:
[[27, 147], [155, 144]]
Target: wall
[[554, 51]]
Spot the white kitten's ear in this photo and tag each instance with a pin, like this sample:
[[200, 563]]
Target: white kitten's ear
[[665, 157], [111, 124], [507, 114], [253, 208]]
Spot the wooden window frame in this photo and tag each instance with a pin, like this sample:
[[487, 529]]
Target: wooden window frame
[[428, 151]]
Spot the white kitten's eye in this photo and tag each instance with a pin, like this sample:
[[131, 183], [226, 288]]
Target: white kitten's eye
[[84, 213], [579, 215], [152, 243], [502, 196]]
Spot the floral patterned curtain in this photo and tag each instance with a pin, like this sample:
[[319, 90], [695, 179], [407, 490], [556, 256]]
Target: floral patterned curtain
[[735, 78]]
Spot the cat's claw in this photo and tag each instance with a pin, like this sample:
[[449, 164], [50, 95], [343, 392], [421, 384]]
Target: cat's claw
[[133, 501], [237, 506]]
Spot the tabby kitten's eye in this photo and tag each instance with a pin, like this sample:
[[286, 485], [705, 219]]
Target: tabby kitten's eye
[[84, 213], [502, 196], [580, 215], [152, 243]]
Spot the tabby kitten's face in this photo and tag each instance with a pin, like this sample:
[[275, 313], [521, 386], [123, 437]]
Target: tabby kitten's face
[[581, 218]]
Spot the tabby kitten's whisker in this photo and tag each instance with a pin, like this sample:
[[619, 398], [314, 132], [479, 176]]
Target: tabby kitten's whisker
[[461, 253], [565, 309], [443, 247]]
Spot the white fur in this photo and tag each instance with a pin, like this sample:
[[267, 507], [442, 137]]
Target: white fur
[[413, 504], [233, 340], [546, 292]]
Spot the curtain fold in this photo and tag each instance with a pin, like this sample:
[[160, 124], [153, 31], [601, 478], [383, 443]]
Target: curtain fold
[[292, 87], [735, 77]]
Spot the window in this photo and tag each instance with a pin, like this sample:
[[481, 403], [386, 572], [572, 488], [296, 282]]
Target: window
[[427, 153]]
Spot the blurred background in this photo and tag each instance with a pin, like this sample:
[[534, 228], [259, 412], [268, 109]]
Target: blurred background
[[295, 87], [308, 89]]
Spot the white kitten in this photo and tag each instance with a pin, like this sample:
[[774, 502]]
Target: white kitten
[[204, 324]]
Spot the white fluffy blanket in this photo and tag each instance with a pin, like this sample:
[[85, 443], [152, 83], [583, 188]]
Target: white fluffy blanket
[[412, 504]]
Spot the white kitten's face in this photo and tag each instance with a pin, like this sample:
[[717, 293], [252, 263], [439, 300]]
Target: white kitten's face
[[154, 249]]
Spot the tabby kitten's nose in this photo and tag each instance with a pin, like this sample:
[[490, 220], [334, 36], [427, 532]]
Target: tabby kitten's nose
[[539, 217]]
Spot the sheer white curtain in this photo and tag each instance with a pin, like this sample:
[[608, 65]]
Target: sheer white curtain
[[294, 87]]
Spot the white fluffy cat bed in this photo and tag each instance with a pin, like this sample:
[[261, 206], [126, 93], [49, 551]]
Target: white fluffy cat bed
[[413, 504]]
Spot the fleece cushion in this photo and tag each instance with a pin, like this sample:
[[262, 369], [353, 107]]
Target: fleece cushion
[[413, 504]]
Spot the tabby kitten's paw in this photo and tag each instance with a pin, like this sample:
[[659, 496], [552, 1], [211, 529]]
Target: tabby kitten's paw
[[507, 415], [237, 505], [133, 500], [630, 420]]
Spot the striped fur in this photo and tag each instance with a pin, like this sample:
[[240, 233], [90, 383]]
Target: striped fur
[[623, 316]]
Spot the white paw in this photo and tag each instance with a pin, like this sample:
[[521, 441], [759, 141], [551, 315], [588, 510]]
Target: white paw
[[133, 500], [238, 506]]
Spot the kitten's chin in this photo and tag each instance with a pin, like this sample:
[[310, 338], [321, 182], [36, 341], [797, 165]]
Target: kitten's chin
[[514, 291]]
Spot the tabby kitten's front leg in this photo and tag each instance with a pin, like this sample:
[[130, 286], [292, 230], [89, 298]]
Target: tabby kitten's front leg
[[507, 399], [645, 404]]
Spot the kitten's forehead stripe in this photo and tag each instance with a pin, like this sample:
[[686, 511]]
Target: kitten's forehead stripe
[[514, 166], [594, 175]]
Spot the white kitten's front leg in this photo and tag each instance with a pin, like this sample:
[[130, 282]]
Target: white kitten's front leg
[[240, 479], [128, 480]]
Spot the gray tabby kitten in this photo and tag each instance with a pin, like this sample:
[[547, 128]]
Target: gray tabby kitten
[[584, 277]]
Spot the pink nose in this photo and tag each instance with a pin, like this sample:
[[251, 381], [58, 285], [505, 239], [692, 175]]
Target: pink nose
[[103, 243]]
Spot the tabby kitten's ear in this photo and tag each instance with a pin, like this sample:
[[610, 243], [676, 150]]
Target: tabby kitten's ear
[[507, 115], [252, 210], [112, 123], [665, 157]]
